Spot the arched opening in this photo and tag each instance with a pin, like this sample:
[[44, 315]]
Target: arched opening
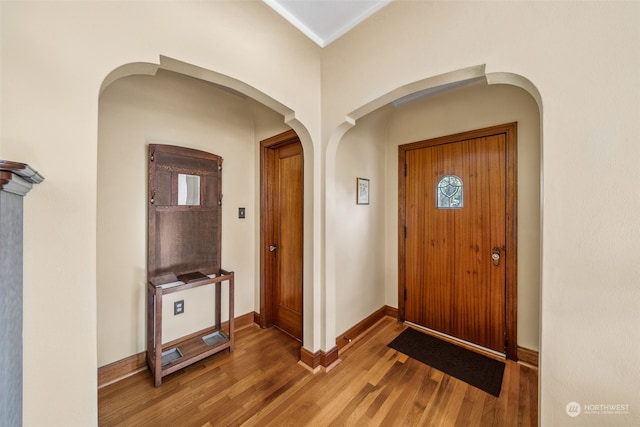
[[443, 105], [180, 104]]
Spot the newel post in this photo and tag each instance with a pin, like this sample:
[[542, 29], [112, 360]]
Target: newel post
[[16, 179]]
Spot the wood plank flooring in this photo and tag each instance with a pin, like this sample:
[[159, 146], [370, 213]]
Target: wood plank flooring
[[262, 384]]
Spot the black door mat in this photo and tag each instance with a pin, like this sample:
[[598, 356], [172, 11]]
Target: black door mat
[[473, 368]]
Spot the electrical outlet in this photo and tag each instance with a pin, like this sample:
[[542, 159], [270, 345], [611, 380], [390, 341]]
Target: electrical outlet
[[178, 307]]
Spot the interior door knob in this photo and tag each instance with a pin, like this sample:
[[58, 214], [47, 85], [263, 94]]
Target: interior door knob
[[272, 248]]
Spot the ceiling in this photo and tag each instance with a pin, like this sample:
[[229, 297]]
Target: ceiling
[[324, 21]]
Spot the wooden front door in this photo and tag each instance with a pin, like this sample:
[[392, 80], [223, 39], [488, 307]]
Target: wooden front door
[[457, 245], [281, 236]]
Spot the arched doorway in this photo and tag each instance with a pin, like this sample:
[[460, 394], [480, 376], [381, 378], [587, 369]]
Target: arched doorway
[[146, 103], [463, 103]]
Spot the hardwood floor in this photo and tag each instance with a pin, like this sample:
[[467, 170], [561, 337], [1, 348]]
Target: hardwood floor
[[261, 383]]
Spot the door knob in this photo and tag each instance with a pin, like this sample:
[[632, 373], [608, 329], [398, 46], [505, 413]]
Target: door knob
[[272, 248], [495, 256]]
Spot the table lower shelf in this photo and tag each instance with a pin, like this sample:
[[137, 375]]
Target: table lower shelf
[[192, 348], [188, 352]]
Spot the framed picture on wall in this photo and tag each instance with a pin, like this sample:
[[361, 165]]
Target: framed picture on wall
[[362, 186]]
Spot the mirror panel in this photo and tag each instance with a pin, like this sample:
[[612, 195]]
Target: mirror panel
[[188, 190]]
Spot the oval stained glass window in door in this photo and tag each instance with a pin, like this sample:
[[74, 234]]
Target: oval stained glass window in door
[[449, 192]]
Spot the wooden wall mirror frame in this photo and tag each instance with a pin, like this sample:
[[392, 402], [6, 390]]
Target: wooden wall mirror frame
[[185, 212]]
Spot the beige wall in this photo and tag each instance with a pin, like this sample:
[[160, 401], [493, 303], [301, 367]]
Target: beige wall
[[170, 109], [579, 60], [360, 240], [55, 57]]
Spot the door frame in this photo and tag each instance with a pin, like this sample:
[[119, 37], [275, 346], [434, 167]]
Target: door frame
[[267, 218], [511, 242]]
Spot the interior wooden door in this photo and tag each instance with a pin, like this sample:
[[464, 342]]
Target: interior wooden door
[[282, 242], [456, 216]]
